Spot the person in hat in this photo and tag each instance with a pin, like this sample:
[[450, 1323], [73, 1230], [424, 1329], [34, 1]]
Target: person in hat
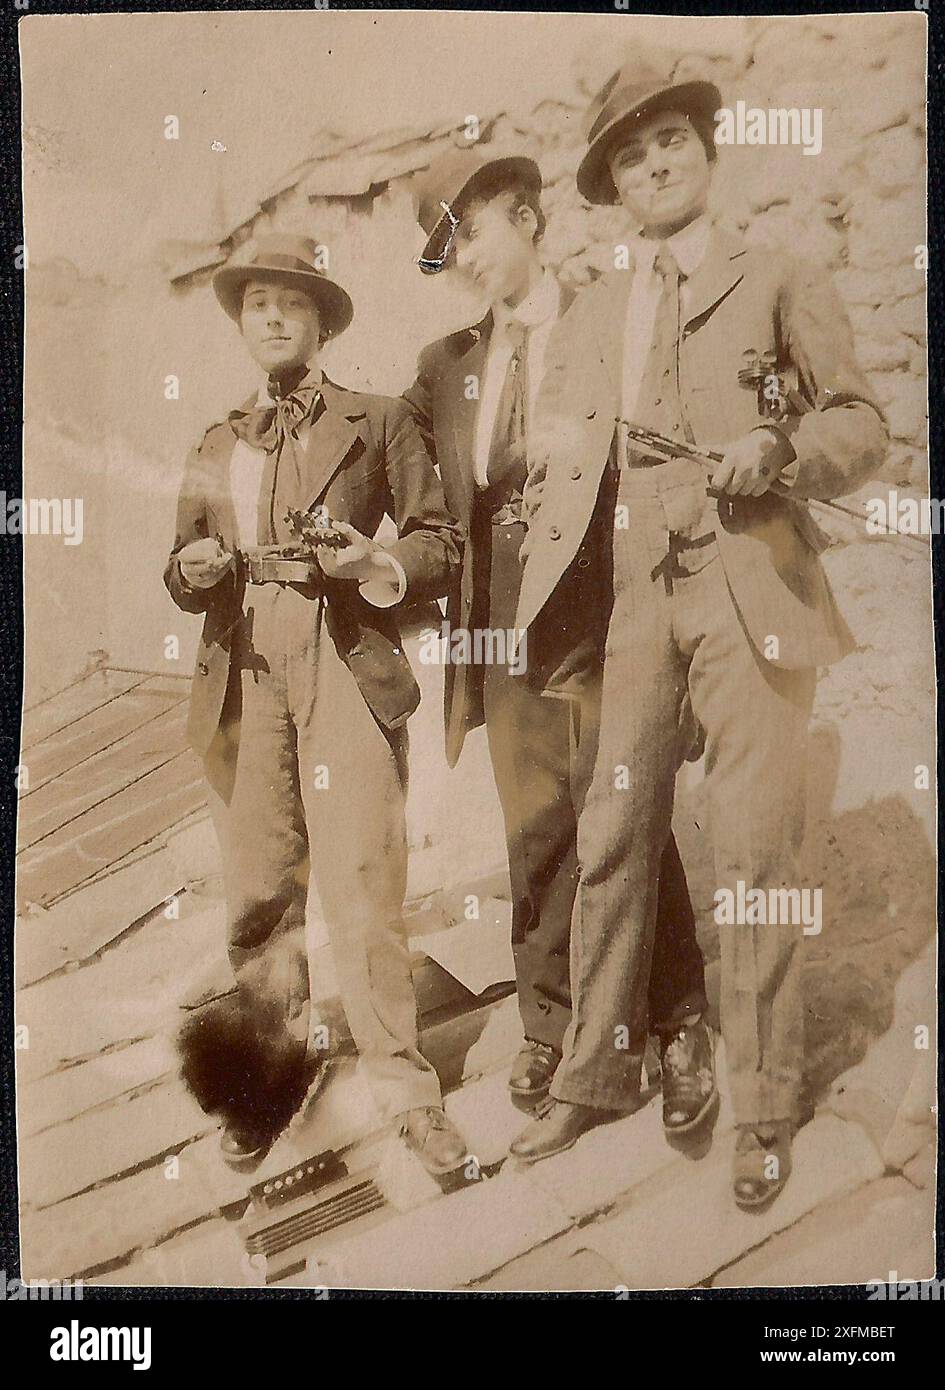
[[719, 599], [484, 222], [299, 705]]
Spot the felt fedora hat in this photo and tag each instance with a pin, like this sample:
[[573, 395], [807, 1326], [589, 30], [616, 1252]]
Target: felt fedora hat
[[450, 184], [630, 94], [286, 260]]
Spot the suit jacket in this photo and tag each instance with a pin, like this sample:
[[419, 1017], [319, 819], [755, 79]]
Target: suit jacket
[[447, 421], [739, 299], [364, 458]]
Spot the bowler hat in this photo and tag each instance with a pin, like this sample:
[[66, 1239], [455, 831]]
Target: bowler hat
[[451, 183], [631, 93], [286, 260]]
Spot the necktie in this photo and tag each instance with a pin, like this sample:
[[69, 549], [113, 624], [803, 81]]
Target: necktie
[[275, 429], [507, 468], [658, 403], [660, 407]]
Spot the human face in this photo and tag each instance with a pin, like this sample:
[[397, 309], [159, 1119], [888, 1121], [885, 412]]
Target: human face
[[280, 326], [494, 254], [661, 171]]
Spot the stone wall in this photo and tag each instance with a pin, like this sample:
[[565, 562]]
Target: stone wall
[[857, 208], [98, 382]]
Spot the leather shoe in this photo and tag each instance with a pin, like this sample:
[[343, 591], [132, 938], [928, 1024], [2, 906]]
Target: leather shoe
[[689, 1090], [557, 1125], [762, 1163], [243, 1148], [429, 1133], [531, 1073]]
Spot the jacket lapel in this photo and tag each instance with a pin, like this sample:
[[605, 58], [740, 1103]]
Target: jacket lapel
[[330, 440], [462, 410], [218, 451], [610, 328], [717, 275]]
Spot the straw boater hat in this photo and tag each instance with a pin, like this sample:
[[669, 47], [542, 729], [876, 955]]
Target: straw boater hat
[[632, 93], [451, 183], [286, 260]]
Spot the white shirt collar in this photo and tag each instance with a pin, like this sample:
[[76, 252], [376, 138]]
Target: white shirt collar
[[538, 306], [688, 245]]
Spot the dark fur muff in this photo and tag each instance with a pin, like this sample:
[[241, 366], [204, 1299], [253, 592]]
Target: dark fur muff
[[241, 1063]]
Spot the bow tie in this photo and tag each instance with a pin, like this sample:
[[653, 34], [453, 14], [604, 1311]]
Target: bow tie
[[266, 427]]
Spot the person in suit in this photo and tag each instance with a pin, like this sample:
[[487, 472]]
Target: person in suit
[[299, 705], [720, 601], [473, 397]]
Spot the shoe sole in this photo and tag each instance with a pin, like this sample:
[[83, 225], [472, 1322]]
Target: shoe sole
[[690, 1125], [549, 1153], [764, 1201], [563, 1148], [244, 1163]]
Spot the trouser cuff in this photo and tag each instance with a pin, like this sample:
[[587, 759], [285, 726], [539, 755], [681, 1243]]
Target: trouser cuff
[[544, 1020], [769, 1106], [599, 1095], [693, 1004]]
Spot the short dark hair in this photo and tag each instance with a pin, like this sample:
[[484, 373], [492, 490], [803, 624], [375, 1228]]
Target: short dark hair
[[514, 193]]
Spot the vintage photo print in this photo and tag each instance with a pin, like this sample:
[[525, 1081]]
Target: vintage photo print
[[476, 794]]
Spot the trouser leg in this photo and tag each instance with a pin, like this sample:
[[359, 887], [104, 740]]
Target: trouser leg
[[353, 778], [530, 746], [255, 803], [755, 718], [622, 832], [677, 973], [677, 976]]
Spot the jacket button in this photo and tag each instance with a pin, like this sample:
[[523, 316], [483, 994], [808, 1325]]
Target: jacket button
[[575, 473], [554, 533], [203, 668]]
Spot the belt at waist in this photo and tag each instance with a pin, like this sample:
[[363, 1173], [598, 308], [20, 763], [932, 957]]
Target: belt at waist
[[656, 476], [262, 567]]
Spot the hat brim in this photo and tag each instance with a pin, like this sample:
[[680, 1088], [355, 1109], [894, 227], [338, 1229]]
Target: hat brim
[[335, 309], [594, 179], [517, 166]]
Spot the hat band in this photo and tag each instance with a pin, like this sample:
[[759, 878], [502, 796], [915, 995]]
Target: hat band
[[277, 261]]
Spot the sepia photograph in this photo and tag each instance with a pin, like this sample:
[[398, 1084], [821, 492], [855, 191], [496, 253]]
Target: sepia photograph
[[476, 791]]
